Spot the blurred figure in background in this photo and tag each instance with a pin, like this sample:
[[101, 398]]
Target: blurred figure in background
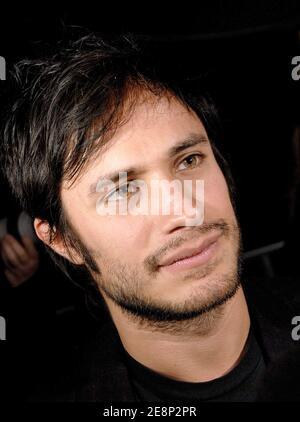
[[20, 257]]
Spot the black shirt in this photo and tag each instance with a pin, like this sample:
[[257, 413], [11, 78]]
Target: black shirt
[[239, 385]]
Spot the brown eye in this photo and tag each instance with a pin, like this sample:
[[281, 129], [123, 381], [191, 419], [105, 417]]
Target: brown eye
[[191, 161]]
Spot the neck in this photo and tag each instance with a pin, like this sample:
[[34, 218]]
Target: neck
[[190, 355]]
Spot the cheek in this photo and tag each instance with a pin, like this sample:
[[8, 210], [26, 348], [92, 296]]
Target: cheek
[[91, 234], [126, 236], [86, 223], [217, 199], [116, 237]]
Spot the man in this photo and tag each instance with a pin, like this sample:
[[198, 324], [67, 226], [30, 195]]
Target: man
[[180, 325]]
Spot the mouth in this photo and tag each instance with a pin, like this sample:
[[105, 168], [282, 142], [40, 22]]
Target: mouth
[[186, 259]]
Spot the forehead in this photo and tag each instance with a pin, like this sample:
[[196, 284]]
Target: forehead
[[154, 126]]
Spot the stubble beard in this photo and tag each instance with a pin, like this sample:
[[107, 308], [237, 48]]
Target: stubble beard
[[123, 287]]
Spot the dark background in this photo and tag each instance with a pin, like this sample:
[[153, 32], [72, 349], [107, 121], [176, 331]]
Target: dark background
[[244, 50]]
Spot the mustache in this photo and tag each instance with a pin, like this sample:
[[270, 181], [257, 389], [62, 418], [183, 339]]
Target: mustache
[[151, 262]]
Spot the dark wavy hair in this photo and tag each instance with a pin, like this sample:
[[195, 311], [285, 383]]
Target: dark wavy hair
[[60, 105]]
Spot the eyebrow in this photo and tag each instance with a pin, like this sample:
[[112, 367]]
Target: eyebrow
[[191, 141]]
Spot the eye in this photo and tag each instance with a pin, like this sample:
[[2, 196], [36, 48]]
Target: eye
[[191, 161], [121, 192]]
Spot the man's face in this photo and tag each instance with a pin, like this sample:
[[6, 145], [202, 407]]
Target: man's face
[[132, 251]]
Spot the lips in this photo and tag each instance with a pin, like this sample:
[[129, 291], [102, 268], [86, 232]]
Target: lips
[[185, 253]]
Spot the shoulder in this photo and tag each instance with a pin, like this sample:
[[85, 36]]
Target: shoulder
[[276, 297], [273, 304], [88, 369]]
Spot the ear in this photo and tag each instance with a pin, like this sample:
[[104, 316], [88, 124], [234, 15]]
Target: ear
[[42, 230]]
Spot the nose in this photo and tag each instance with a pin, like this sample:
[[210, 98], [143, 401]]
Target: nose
[[174, 224], [182, 204]]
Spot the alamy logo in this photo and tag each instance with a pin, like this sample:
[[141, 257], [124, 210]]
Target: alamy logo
[[296, 330], [2, 69], [296, 69], [2, 328], [159, 197]]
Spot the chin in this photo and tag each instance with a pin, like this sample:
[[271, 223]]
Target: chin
[[209, 287]]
